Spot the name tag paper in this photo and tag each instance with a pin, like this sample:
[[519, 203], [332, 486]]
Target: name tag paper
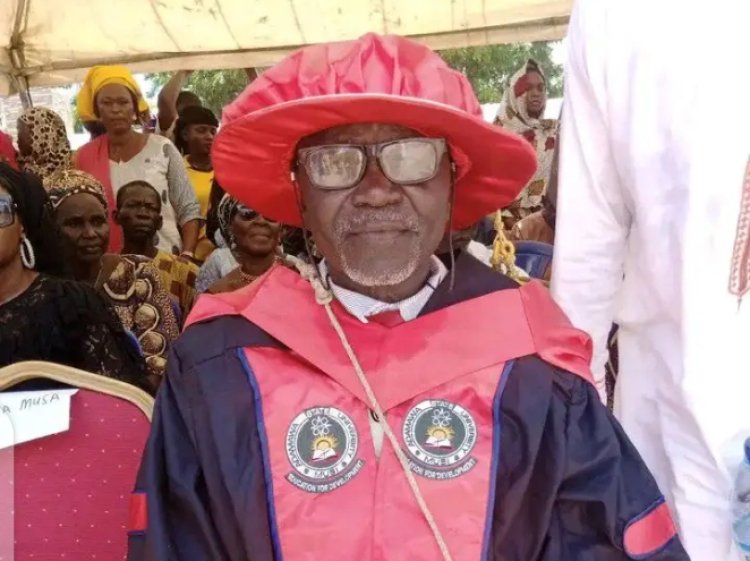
[[26, 416]]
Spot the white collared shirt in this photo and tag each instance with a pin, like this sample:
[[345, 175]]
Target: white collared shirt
[[362, 307]]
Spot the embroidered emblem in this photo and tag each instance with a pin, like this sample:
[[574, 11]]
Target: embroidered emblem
[[322, 445], [440, 436]]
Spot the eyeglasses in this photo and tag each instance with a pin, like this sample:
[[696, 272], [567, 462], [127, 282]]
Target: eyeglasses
[[7, 212], [248, 214], [341, 166]]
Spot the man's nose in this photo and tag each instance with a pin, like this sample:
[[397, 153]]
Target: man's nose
[[375, 189], [88, 230]]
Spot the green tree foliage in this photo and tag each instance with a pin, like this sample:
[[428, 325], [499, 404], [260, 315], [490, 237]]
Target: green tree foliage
[[215, 87], [489, 68], [77, 123]]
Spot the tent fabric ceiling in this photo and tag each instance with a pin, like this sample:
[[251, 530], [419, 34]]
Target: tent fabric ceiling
[[48, 42]]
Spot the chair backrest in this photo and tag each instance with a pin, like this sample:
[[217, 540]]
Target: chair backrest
[[72, 489], [534, 258]]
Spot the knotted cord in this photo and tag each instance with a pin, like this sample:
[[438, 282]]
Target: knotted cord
[[324, 297], [503, 257]]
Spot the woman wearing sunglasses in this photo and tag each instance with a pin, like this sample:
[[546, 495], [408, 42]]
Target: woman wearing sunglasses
[[43, 316], [254, 247]]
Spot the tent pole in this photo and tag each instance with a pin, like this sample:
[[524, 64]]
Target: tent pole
[[26, 99], [24, 94], [16, 51]]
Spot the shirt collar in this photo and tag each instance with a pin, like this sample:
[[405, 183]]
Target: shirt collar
[[362, 307]]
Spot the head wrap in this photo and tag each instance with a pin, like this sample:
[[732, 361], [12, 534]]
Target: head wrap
[[513, 103], [96, 79], [50, 148], [373, 79], [66, 183], [186, 99], [192, 115], [7, 151], [540, 133], [35, 212], [226, 211]]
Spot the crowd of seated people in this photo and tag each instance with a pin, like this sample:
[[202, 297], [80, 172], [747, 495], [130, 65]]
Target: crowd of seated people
[[122, 236], [105, 251], [98, 266], [45, 313]]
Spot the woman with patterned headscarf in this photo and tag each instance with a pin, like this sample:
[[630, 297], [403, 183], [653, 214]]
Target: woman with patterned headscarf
[[522, 111], [131, 283], [43, 142], [221, 261]]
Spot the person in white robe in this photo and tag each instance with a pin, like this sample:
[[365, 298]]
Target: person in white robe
[[653, 233]]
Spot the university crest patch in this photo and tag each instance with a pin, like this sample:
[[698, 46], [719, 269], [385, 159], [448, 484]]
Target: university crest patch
[[440, 437], [322, 445]]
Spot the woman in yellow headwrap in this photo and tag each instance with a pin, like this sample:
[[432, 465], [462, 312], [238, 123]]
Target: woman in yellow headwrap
[[111, 95], [100, 76]]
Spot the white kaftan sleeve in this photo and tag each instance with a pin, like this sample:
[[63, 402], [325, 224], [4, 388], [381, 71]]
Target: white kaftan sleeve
[[593, 220]]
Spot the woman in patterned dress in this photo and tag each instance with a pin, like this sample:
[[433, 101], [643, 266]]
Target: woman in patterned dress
[[130, 283]]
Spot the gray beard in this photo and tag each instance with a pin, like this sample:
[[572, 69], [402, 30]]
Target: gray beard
[[377, 278], [368, 275]]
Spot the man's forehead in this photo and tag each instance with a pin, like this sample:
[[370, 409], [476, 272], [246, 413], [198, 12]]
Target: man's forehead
[[140, 191], [360, 133]]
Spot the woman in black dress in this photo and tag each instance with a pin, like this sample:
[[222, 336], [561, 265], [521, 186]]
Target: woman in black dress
[[43, 316]]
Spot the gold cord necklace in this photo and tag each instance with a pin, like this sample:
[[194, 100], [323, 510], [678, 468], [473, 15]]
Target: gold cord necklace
[[247, 278]]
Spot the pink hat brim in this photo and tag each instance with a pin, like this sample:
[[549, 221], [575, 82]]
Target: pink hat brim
[[253, 155]]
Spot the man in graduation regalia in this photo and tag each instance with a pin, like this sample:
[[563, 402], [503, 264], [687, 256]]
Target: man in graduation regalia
[[376, 405]]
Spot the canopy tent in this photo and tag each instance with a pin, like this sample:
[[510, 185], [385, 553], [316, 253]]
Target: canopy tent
[[49, 42]]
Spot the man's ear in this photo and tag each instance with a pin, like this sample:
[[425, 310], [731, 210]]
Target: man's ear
[[116, 217], [159, 222]]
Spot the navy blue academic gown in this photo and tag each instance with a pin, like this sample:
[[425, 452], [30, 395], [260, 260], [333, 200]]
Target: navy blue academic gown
[[261, 445]]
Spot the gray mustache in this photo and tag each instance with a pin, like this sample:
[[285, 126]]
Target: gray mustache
[[370, 219]]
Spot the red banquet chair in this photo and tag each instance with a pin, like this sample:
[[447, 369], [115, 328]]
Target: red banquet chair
[[72, 490]]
